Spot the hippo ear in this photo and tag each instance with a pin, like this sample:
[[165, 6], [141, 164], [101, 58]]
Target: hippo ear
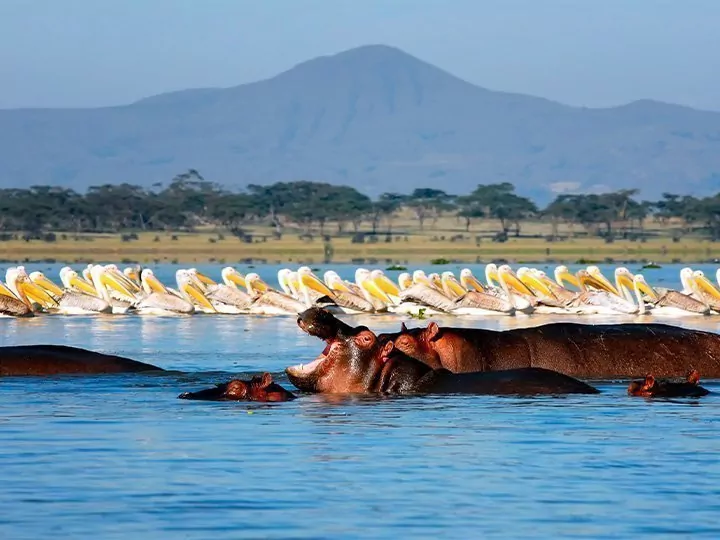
[[266, 380], [693, 377], [432, 331], [386, 351], [649, 381], [403, 328]]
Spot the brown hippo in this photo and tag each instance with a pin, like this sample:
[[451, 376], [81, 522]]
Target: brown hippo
[[257, 389], [652, 387], [59, 359], [355, 361], [579, 350]]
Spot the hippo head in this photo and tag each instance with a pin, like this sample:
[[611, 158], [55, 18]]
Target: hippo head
[[351, 358], [257, 389], [417, 343], [652, 387]]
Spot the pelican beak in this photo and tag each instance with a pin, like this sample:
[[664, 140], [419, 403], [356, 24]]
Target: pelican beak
[[704, 283], [196, 296], [374, 290], [605, 282], [238, 279], [512, 281], [586, 279], [471, 283], [204, 279], [35, 294], [533, 282], [311, 282], [646, 289], [6, 292], [570, 278], [454, 286], [405, 283], [48, 285], [626, 281], [492, 275], [152, 281], [122, 280], [339, 286], [82, 285], [386, 285]]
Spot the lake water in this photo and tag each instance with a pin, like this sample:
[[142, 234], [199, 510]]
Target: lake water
[[121, 457]]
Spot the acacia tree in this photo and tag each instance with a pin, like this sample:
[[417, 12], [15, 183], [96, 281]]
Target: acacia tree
[[428, 203]]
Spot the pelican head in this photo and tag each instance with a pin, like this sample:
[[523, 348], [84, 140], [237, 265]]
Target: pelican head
[[150, 283], [306, 278], [39, 279], [404, 281], [704, 284], [533, 281], [595, 272], [419, 278], [451, 286], [384, 283], [205, 280], [72, 281], [563, 275], [491, 275], [506, 274], [255, 285], [187, 283], [641, 286], [469, 281], [232, 278], [363, 279]]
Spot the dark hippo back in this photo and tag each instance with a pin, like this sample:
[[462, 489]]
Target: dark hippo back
[[57, 359], [622, 350]]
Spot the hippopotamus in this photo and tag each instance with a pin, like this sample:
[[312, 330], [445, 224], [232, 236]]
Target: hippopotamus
[[260, 388], [652, 387], [59, 359], [579, 350], [355, 361]]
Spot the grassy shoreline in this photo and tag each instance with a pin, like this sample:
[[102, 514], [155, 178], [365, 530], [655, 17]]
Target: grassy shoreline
[[204, 247]]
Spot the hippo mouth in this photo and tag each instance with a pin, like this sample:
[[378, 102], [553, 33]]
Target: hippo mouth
[[307, 370]]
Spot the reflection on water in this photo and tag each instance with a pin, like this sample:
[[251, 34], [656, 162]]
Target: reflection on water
[[120, 456]]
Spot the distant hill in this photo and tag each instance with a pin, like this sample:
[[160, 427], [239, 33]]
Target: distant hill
[[375, 118]]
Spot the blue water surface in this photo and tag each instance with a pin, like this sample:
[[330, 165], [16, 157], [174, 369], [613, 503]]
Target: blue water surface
[[118, 456]]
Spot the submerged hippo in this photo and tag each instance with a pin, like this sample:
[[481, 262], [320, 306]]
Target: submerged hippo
[[257, 389], [652, 387], [355, 361], [579, 350], [59, 359]]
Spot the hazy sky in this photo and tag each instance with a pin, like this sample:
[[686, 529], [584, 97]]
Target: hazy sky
[[77, 53]]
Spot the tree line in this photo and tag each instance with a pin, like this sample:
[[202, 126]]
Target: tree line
[[189, 202]]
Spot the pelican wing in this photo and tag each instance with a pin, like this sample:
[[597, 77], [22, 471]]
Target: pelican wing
[[603, 299], [422, 294], [230, 296], [77, 300], [14, 307], [274, 302], [481, 300], [166, 302], [353, 302], [682, 301]]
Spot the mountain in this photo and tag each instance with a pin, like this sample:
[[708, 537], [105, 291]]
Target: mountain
[[372, 117]]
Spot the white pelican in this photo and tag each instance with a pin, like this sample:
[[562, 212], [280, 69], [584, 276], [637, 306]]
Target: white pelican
[[159, 300], [69, 301], [597, 300], [268, 301], [15, 304], [190, 287], [705, 291], [404, 281], [669, 303], [212, 297], [423, 294]]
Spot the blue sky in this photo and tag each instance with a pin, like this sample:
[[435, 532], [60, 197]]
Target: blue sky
[[77, 53]]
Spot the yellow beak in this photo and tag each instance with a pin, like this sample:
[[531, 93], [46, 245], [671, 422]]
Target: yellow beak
[[35, 293], [704, 283], [237, 279], [49, 286], [646, 289], [569, 278], [386, 285], [512, 281], [533, 282], [82, 285], [197, 296], [6, 292], [454, 286], [311, 282], [374, 290], [471, 283], [606, 285], [204, 279]]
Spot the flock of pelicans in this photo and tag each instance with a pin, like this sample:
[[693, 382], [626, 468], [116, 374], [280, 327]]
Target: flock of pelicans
[[107, 289]]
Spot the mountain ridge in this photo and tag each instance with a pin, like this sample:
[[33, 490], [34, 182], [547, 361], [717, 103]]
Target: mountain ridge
[[373, 117]]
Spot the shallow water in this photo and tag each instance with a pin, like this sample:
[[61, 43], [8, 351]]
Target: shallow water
[[120, 456]]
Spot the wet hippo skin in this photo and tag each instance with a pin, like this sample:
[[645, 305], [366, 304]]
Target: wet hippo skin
[[355, 361], [579, 350], [41, 360]]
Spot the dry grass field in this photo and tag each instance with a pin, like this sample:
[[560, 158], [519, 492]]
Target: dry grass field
[[445, 239]]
